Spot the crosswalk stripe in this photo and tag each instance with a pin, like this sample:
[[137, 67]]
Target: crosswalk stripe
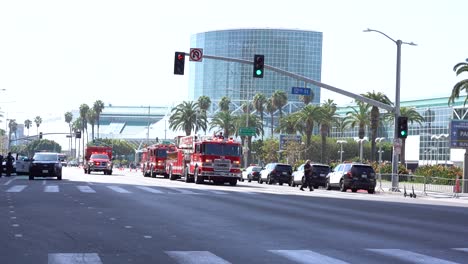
[[118, 189], [307, 257], [85, 189], [410, 257], [196, 257], [74, 258], [51, 188], [184, 191], [148, 189], [217, 192], [16, 188], [461, 249]]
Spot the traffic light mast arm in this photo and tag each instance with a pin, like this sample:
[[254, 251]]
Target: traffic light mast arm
[[308, 80]]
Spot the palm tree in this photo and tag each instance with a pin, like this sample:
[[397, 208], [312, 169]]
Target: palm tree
[[186, 116], [307, 99], [328, 110], [77, 126], [91, 116], [204, 103], [279, 99], [259, 101], [341, 124], [224, 103], [27, 124], [359, 116], [375, 117], [308, 116], [68, 120], [459, 68], [13, 126], [226, 121], [84, 108], [288, 124], [98, 106], [254, 121], [38, 121], [270, 108]]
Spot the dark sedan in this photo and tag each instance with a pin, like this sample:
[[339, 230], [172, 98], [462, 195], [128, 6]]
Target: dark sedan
[[45, 164]]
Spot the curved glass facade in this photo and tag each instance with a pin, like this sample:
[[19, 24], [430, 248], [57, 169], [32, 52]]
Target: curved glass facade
[[296, 51]]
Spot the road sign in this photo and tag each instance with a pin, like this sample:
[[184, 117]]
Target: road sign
[[196, 54], [247, 131], [300, 90], [285, 139], [459, 134]]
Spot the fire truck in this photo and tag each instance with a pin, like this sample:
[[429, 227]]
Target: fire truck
[[197, 159], [98, 158], [154, 160]]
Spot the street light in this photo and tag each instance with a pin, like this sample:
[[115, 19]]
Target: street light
[[379, 141], [341, 142], [360, 141], [439, 138], [397, 104]]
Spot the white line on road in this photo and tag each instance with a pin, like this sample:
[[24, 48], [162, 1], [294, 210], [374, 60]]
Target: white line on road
[[217, 192], [410, 257], [9, 181], [85, 189], [196, 257], [118, 189], [461, 249], [16, 188], [51, 188], [43, 182], [74, 258], [307, 257], [182, 191], [148, 189]]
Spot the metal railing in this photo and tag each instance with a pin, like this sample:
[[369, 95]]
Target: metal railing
[[423, 184]]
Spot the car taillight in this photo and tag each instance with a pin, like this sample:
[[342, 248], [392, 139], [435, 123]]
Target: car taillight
[[349, 174]]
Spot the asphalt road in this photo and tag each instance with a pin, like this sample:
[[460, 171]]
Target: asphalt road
[[126, 218]]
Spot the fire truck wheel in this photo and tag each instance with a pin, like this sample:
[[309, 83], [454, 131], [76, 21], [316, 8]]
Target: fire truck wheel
[[186, 175], [233, 182], [152, 174], [198, 179], [172, 177]]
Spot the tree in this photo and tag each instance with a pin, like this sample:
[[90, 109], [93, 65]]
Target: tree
[[254, 121], [359, 116], [204, 103], [327, 114], [68, 120], [27, 124], [12, 126], [186, 116], [288, 124], [270, 108], [38, 121], [224, 103], [307, 99], [84, 108], [459, 68], [77, 126], [259, 101], [308, 116], [98, 106], [375, 117], [279, 99], [226, 121], [91, 116], [43, 145]]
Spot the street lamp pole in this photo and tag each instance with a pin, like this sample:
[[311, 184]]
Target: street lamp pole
[[341, 142], [379, 140], [397, 105]]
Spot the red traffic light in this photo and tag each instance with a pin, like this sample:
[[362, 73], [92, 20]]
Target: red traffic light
[[180, 56]]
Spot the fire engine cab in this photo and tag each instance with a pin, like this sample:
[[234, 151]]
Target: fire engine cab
[[154, 160], [197, 159]]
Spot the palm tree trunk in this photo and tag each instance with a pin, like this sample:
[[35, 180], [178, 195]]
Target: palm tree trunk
[[373, 148], [272, 123], [324, 143]]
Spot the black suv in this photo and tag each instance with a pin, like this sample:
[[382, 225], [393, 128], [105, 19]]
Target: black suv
[[276, 173], [352, 176], [45, 164]]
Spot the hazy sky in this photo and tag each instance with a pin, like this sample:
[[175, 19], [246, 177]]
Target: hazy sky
[[56, 55]]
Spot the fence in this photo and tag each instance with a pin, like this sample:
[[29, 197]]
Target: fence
[[423, 184]]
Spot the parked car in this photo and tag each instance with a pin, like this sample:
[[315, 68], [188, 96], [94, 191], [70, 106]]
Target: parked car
[[252, 173], [276, 173], [21, 165], [352, 176], [319, 175], [45, 164]]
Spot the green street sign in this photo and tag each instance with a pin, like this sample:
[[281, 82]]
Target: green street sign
[[247, 131]]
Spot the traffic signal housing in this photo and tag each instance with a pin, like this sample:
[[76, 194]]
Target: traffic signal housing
[[179, 63], [402, 127], [78, 134], [40, 135], [259, 64]]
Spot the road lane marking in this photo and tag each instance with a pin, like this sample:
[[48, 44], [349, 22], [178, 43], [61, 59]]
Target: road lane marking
[[461, 249], [16, 188], [9, 181], [74, 258], [217, 192], [307, 257], [410, 257], [85, 189], [148, 189], [196, 257], [118, 189], [51, 188], [183, 191]]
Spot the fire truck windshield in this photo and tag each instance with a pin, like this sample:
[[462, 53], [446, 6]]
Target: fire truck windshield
[[162, 153], [99, 156], [221, 149]]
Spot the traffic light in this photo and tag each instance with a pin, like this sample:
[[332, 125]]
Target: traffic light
[[179, 63], [259, 63], [78, 134], [40, 135], [402, 127]]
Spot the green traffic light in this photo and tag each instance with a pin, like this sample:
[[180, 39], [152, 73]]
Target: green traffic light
[[403, 133], [258, 72]]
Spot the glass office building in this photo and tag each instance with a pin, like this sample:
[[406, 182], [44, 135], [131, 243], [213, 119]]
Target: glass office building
[[296, 51]]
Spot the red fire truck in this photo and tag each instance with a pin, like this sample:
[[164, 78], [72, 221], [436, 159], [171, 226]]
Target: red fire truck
[[197, 159], [98, 158], [154, 160]]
